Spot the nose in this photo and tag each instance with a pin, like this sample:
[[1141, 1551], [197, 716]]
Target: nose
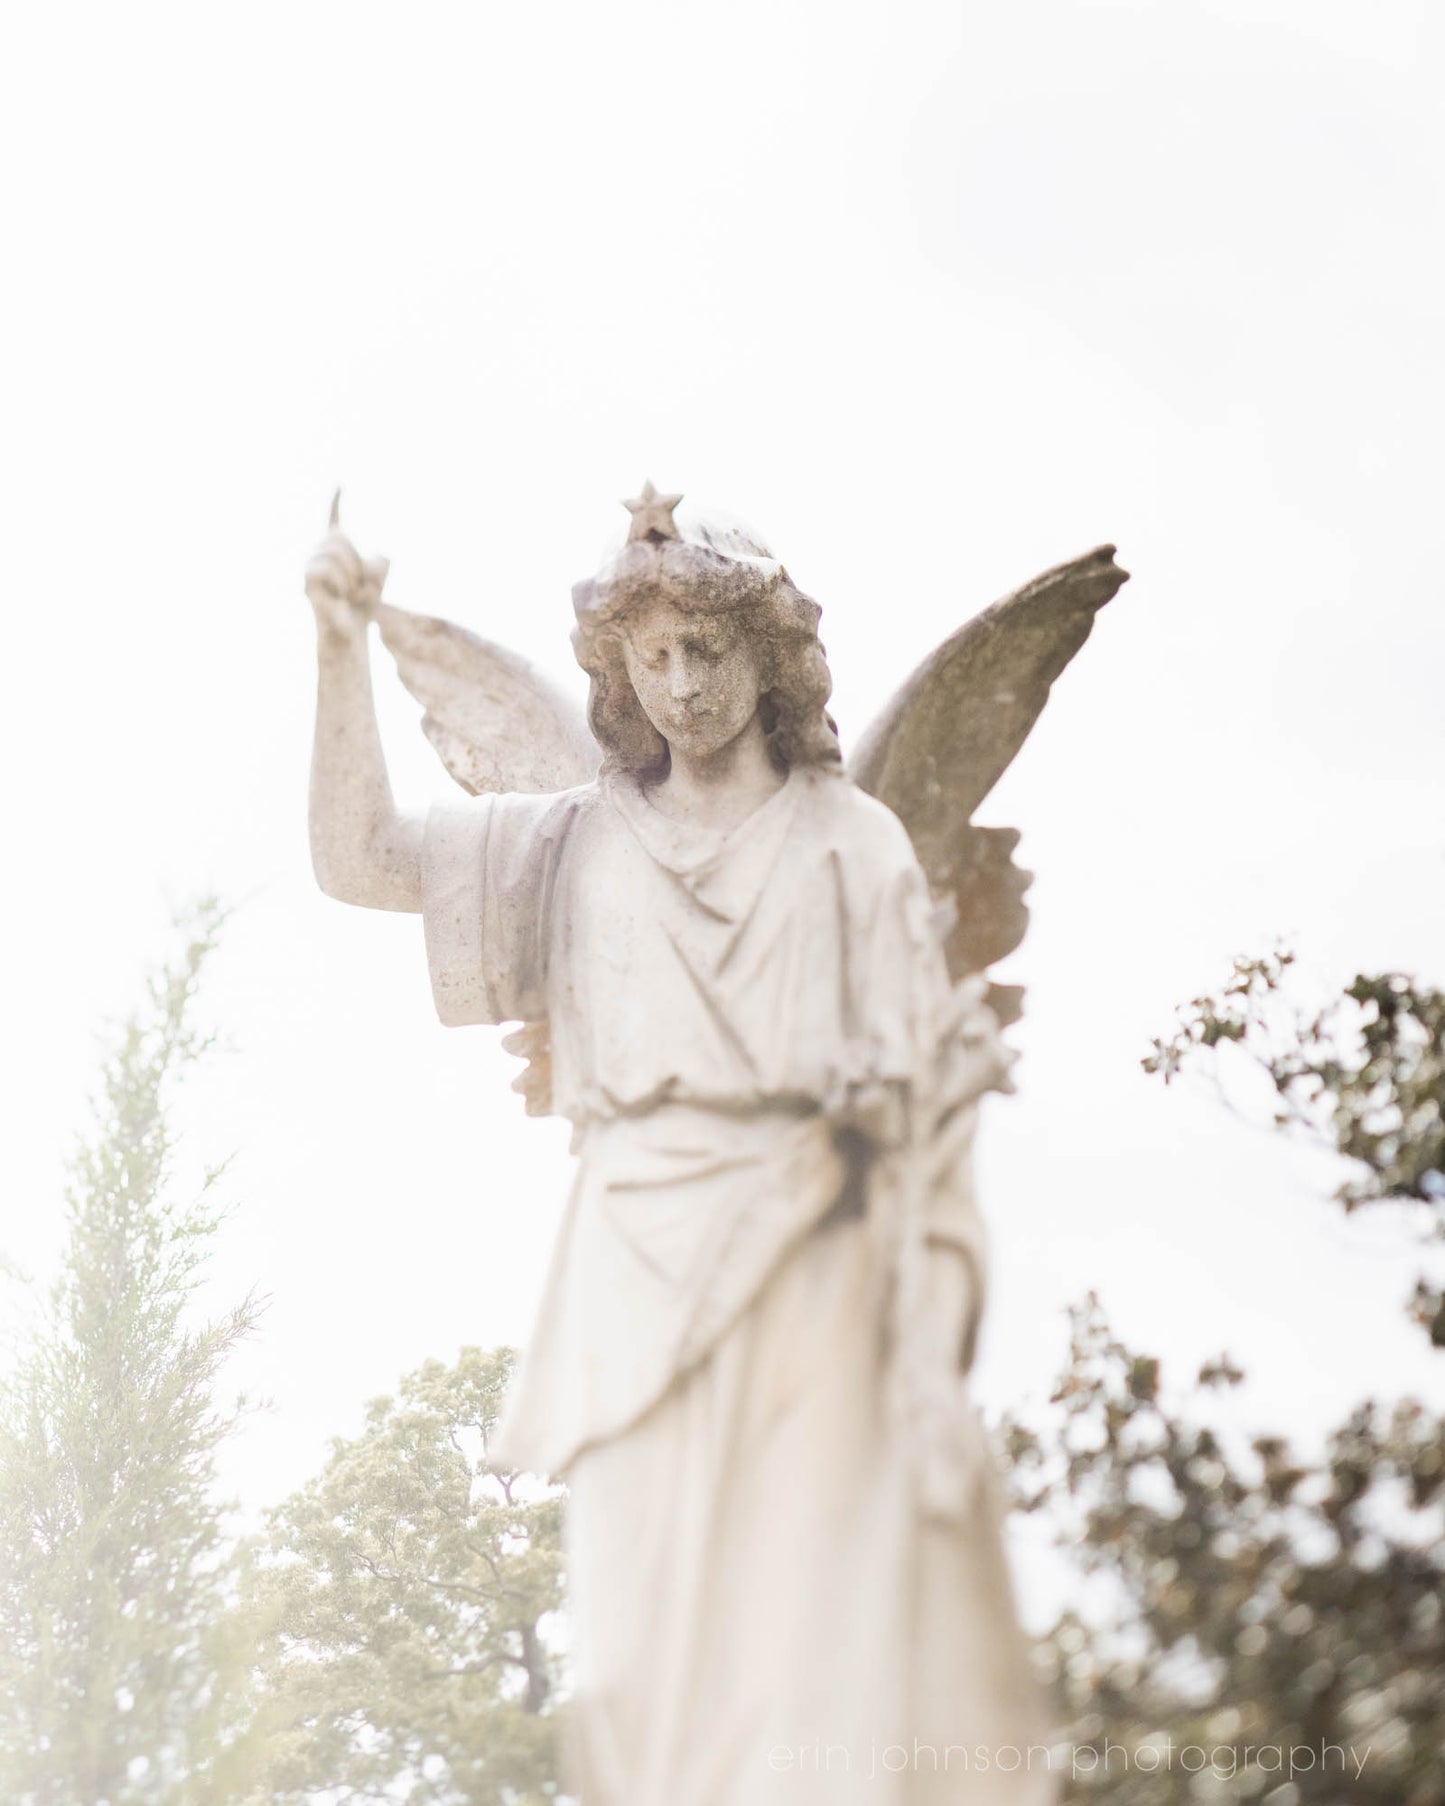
[[683, 679]]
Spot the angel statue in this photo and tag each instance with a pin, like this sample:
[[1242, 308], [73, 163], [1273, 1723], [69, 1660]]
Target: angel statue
[[753, 977]]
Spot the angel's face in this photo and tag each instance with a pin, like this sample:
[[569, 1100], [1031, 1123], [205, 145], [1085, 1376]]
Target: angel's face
[[695, 675]]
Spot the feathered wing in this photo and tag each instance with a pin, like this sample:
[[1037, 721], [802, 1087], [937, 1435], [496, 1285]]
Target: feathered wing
[[952, 731], [496, 722]]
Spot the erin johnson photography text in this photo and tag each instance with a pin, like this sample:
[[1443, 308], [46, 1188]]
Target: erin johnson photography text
[[1224, 1760]]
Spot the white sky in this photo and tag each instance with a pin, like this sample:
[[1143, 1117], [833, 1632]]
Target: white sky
[[936, 296]]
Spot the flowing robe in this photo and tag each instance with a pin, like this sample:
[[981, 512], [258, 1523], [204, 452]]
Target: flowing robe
[[763, 1612]]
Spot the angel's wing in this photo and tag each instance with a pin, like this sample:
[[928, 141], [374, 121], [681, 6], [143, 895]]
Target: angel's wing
[[496, 723], [951, 732]]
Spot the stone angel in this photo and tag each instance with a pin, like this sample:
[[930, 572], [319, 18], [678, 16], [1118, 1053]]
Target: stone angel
[[753, 977]]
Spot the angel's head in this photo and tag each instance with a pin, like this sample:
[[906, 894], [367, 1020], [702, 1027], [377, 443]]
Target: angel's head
[[687, 632]]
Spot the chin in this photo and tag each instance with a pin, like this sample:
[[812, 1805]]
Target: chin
[[698, 745]]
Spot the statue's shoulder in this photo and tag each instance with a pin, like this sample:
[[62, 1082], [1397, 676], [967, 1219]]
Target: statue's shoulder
[[521, 823], [550, 809], [855, 824]]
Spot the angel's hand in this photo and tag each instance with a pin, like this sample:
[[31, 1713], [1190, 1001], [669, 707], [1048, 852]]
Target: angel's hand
[[341, 586]]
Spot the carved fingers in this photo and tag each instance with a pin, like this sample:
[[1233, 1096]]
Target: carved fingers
[[341, 586]]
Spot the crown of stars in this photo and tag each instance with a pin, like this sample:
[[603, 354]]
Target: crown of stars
[[652, 515]]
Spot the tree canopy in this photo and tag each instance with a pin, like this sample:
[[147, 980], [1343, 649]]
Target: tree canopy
[[411, 1597], [122, 1672], [1273, 1621]]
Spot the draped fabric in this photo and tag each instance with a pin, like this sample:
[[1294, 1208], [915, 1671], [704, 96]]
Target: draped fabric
[[751, 1573], [777, 964]]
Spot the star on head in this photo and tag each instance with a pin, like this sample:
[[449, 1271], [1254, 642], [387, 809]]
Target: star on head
[[652, 515]]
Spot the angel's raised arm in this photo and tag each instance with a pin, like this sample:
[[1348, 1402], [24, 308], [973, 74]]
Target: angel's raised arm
[[362, 849], [496, 723]]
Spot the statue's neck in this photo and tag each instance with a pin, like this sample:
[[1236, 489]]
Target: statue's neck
[[722, 790]]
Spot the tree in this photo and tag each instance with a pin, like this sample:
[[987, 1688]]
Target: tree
[[392, 1635], [1265, 1608], [1364, 1077], [411, 1596], [121, 1679]]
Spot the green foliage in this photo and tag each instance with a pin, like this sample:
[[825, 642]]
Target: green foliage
[[1251, 1597], [410, 1595], [1249, 1600], [390, 1639], [1365, 1075], [122, 1673]]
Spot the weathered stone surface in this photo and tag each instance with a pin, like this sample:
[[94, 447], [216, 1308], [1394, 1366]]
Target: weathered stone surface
[[496, 722], [954, 728]]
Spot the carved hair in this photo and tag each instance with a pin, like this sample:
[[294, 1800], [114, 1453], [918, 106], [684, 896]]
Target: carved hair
[[755, 595]]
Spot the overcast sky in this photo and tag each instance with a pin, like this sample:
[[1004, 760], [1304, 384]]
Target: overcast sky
[[936, 295]]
